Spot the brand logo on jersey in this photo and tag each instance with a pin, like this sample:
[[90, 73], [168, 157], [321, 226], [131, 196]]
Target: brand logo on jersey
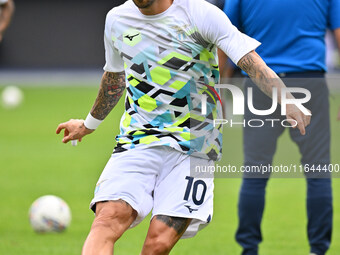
[[191, 209], [130, 37], [182, 31]]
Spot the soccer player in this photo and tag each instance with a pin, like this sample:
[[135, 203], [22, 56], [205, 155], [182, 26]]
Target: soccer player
[[164, 53], [292, 34], [6, 13]]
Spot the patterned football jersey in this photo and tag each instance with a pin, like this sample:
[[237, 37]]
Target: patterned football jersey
[[171, 67]]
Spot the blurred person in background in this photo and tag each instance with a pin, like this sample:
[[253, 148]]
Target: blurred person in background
[[332, 55], [292, 34], [6, 13]]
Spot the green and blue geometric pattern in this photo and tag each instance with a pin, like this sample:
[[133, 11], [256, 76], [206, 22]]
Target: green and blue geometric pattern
[[168, 65]]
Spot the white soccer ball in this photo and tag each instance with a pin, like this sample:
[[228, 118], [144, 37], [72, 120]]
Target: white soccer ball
[[11, 97], [49, 214]]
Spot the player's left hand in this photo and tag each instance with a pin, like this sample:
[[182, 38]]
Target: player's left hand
[[294, 113], [339, 114], [73, 130]]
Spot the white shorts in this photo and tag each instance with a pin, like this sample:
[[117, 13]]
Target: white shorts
[[158, 179]]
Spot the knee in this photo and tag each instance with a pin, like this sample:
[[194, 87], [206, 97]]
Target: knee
[[113, 218], [157, 246]]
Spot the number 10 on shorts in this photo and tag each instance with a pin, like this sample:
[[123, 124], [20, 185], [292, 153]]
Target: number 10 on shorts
[[197, 189]]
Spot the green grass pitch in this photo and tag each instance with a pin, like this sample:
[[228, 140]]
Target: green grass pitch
[[34, 162]]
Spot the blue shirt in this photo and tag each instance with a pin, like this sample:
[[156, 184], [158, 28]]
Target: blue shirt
[[292, 32]]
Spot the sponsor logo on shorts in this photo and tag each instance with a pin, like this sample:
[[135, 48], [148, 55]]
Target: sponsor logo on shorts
[[191, 209]]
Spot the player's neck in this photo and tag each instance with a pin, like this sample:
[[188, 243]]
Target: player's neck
[[157, 7]]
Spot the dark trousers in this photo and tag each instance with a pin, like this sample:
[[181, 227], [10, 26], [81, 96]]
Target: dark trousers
[[259, 148]]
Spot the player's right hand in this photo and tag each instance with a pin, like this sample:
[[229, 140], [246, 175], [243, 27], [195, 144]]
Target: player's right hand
[[302, 120], [73, 130]]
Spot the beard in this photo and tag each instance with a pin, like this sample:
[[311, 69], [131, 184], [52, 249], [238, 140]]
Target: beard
[[142, 4]]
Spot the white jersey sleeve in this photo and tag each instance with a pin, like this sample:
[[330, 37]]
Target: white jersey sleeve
[[114, 62], [216, 28], [3, 1]]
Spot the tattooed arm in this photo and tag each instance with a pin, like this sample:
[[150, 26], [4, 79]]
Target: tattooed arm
[[111, 89], [266, 79]]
